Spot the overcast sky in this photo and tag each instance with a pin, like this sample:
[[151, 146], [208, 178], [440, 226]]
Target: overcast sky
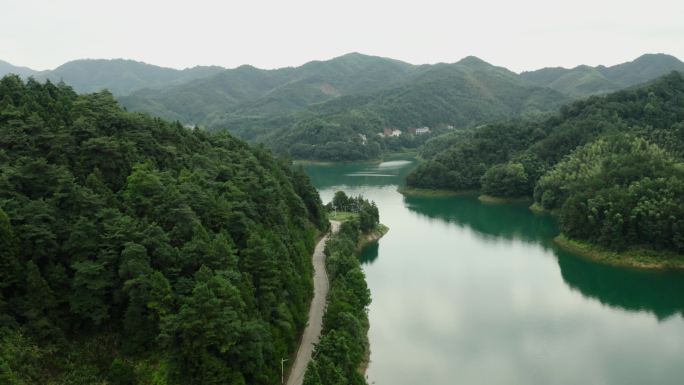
[[519, 35]]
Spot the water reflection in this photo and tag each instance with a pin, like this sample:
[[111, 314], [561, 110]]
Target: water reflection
[[626, 289], [370, 253], [499, 221], [387, 173], [659, 293], [470, 293]]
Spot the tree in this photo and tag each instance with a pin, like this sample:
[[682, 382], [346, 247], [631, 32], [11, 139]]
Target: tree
[[506, 180]]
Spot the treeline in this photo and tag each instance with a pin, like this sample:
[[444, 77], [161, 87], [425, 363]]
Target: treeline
[[343, 346], [610, 165], [619, 192], [133, 250], [368, 214], [345, 136]]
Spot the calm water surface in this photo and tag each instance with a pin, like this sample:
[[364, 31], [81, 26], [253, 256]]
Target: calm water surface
[[469, 293]]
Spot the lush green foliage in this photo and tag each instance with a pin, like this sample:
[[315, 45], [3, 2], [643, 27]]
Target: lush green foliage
[[653, 112], [343, 345], [244, 98], [508, 180], [320, 110], [368, 214], [618, 192], [462, 166], [611, 165], [135, 250]]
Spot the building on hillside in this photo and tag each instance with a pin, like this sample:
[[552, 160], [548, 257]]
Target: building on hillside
[[390, 132], [422, 130]]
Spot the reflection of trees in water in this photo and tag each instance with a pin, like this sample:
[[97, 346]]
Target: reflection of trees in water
[[370, 253], [659, 293], [498, 221], [385, 174]]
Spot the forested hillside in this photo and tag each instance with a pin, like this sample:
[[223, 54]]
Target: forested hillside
[[612, 165], [245, 93], [343, 348], [8, 68], [463, 94], [121, 77], [133, 250], [334, 110], [584, 80]]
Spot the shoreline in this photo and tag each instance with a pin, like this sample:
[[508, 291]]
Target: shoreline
[[383, 158], [642, 259], [431, 193], [373, 236], [484, 198], [367, 239], [537, 208]]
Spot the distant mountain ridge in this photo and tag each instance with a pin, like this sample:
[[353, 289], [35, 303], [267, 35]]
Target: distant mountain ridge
[[120, 76], [584, 80], [8, 68], [322, 109], [248, 91]]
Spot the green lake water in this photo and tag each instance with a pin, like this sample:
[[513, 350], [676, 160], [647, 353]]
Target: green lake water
[[472, 293]]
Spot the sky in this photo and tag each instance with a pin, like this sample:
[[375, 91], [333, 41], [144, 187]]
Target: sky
[[519, 35]]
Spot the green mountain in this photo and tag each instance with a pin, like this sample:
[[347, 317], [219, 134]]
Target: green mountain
[[611, 165], [247, 92], [584, 80], [335, 109], [136, 251], [120, 76], [463, 94], [7, 68]]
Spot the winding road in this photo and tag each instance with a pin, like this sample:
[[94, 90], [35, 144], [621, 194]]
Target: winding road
[[312, 332]]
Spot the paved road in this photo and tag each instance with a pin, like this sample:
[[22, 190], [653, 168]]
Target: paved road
[[312, 332]]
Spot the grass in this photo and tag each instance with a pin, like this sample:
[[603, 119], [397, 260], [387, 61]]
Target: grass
[[639, 258], [484, 198], [304, 162], [342, 216], [431, 193]]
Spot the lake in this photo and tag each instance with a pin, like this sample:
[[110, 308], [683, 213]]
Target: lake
[[472, 293]]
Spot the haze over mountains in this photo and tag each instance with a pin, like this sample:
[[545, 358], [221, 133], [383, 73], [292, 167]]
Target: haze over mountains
[[585, 80], [323, 109], [119, 76]]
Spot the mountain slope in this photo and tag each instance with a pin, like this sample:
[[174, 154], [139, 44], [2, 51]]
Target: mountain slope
[[120, 76], [247, 91], [653, 111], [7, 68], [133, 250], [463, 94], [584, 80], [612, 167]]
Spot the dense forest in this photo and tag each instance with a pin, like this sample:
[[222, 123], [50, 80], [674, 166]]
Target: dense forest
[[611, 166], [333, 110], [323, 110], [133, 250], [343, 347]]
